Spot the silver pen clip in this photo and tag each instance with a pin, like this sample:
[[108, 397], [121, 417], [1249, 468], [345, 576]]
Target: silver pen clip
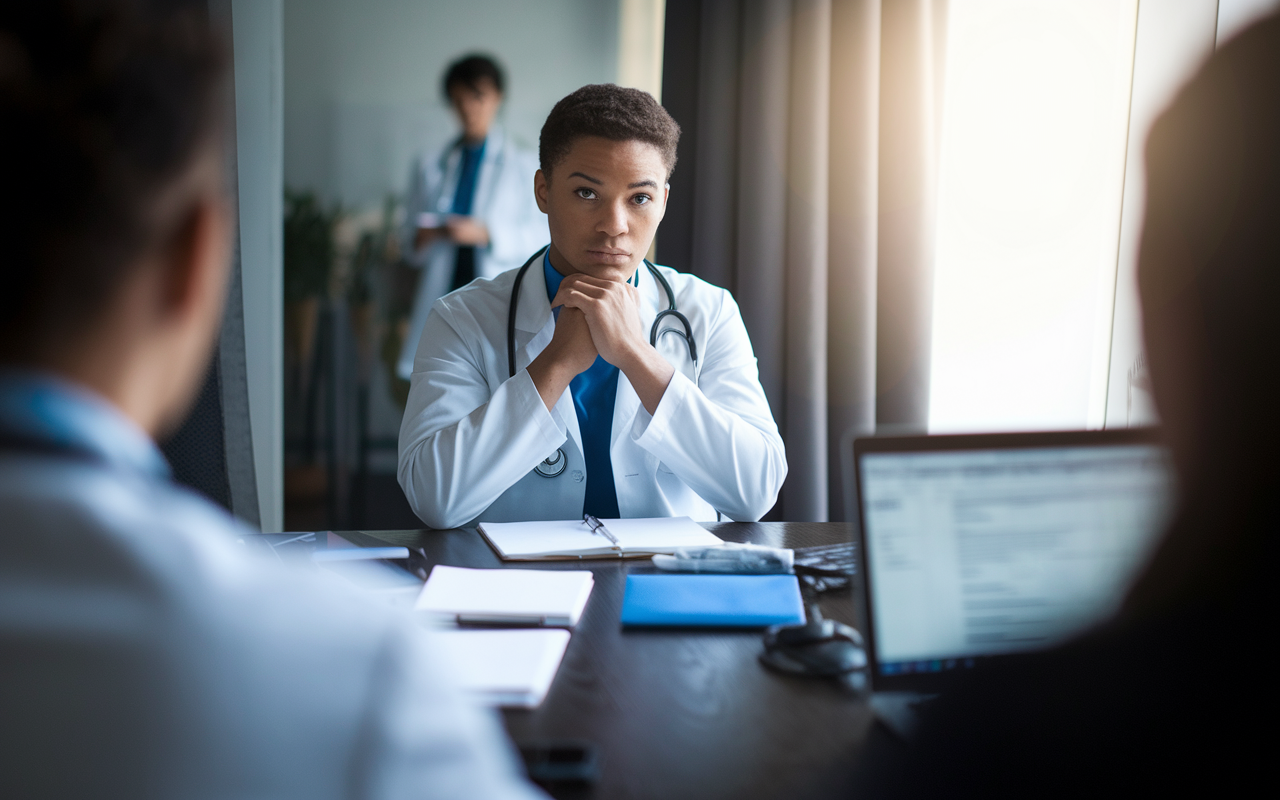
[[597, 527]]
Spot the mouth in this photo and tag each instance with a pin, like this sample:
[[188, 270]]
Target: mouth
[[608, 255]]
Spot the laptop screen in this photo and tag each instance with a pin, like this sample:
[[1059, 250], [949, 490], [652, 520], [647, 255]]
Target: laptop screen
[[982, 552]]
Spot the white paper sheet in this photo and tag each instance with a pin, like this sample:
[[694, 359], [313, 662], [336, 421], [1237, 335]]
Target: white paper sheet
[[505, 668], [506, 596]]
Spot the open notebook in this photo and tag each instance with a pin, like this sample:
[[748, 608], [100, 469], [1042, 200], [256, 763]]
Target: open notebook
[[565, 539]]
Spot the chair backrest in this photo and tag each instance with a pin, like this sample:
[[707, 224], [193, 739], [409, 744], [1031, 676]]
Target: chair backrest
[[213, 450]]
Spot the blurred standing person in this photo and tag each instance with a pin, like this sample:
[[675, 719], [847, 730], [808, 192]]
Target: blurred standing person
[[471, 210]]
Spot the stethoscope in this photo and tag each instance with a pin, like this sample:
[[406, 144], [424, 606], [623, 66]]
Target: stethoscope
[[555, 464]]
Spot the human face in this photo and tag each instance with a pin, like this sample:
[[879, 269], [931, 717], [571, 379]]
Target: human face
[[476, 107], [603, 203]]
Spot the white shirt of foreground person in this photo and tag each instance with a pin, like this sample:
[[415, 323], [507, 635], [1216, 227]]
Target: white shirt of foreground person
[[503, 200], [471, 437], [146, 654]]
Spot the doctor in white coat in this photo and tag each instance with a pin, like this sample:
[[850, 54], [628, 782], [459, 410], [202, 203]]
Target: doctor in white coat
[[565, 387], [471, 212]]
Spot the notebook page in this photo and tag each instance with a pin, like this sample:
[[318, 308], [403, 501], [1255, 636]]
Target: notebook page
[[529, 539], [662, 534]]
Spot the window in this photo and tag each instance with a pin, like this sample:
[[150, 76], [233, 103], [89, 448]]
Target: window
[[1031, 177]]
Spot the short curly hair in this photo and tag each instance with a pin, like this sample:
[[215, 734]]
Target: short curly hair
[[610, 112]]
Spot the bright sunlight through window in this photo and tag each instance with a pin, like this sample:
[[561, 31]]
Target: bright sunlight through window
[[1035, 119]]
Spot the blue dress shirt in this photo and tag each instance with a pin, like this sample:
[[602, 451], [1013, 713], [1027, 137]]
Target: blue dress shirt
[[48, 413], [594, 393], [464, 196]]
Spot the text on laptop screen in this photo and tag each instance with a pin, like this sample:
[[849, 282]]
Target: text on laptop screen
[[986, 552]]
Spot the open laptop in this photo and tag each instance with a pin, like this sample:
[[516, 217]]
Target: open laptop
[[981, 546]]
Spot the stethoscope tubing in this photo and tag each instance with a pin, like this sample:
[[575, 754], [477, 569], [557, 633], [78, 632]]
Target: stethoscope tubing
[[654, 331]]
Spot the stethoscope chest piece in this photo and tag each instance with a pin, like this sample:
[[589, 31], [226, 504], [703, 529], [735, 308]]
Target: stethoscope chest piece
[[553, 465]]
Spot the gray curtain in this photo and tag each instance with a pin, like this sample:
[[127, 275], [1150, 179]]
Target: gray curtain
[[912, 35], [853, 236], [806, 185]]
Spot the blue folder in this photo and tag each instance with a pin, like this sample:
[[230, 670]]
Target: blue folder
[[712, 601]]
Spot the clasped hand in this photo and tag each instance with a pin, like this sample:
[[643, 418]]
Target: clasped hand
[[599, 317], [612, 314]]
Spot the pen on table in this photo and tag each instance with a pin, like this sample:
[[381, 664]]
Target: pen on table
[[596, 526], [360, 553], [309, 536]]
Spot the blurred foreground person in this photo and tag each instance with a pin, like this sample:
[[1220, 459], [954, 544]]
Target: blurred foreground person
[[143, 654], [1175, 694]]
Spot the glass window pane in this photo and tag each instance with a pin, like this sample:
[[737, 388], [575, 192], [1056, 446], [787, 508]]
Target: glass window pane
[[1031, 176]]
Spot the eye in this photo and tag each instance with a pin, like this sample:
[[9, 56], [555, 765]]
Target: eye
[[585, 193], [642, 199]]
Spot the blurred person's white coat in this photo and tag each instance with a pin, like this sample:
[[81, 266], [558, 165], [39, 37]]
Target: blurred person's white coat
[[503, 201]]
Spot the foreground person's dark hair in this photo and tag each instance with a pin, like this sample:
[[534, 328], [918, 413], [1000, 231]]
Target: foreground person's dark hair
[[1209, 273], [104, 108]]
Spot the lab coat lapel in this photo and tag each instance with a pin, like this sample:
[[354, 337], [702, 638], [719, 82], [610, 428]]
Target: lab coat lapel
[[535, 326], [627, 404], [450, 166], [533, 317]]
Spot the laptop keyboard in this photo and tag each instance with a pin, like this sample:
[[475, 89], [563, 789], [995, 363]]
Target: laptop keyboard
[[827, 567]]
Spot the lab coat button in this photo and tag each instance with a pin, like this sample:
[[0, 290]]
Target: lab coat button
[[577, 476]]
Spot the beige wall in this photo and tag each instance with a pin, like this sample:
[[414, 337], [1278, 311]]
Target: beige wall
[[362, 79]]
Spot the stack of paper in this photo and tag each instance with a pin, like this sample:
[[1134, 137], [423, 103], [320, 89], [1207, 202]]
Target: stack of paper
[[506, 596], [505, 668], [560, 539]]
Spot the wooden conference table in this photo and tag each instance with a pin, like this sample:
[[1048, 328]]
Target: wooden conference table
[[677, 714]]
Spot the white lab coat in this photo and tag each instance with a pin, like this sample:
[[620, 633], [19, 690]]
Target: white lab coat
[[471, 436], [503, 200]]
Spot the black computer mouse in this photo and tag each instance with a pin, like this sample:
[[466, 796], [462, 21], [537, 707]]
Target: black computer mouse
[[820, 648]]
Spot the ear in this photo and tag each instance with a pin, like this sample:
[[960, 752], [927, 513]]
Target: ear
[[197, 263], [541, 191]]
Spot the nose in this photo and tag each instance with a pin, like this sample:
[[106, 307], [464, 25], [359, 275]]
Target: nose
[[614, 222]]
